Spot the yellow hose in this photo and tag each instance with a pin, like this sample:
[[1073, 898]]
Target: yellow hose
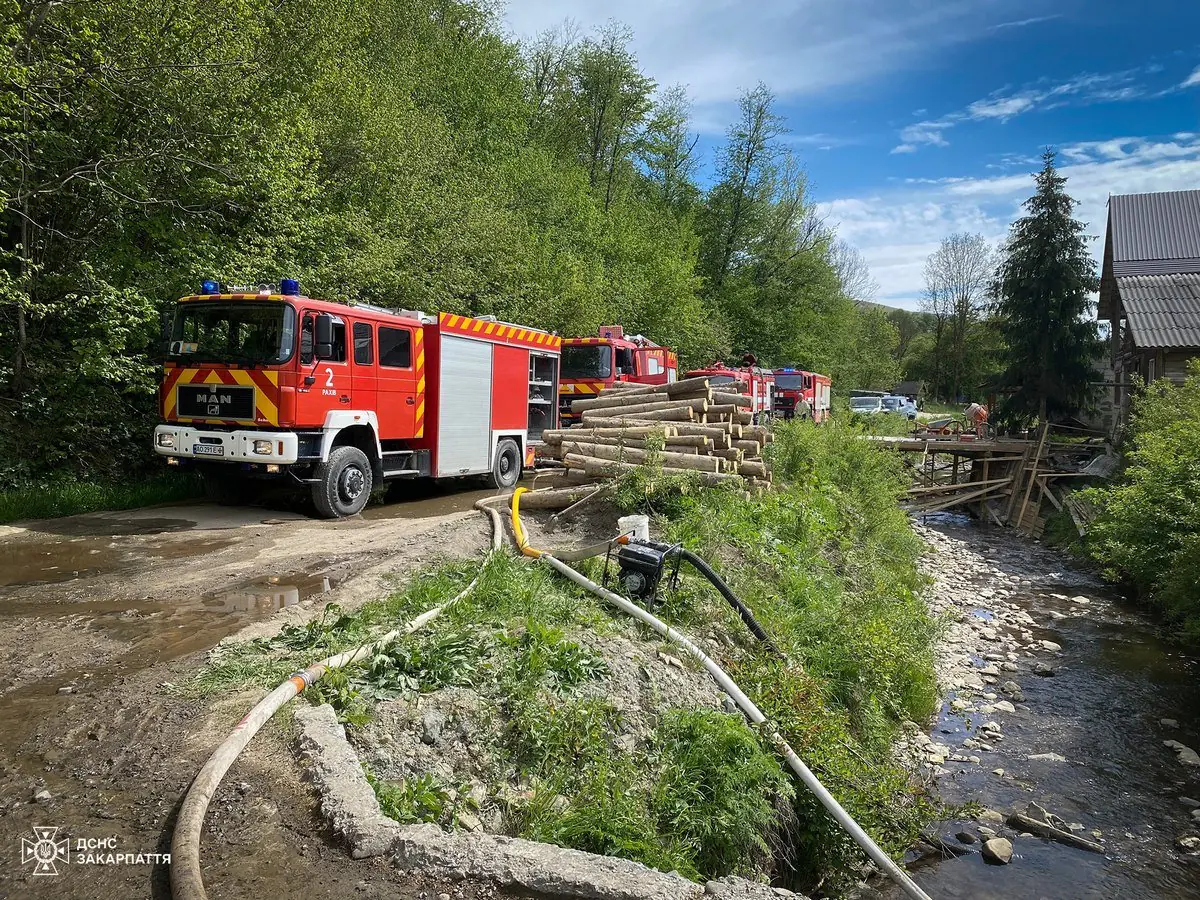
[[518, 528]]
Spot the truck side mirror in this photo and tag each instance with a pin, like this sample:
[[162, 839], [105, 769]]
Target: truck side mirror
[[324, 336]]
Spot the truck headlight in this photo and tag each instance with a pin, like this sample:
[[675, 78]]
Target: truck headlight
[[165, 439], [264, 448]]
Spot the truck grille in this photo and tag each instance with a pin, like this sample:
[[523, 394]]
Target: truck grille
[[215, 401]]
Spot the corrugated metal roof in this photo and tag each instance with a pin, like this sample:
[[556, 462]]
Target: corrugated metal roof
[[1163, 311], [1155, 233]]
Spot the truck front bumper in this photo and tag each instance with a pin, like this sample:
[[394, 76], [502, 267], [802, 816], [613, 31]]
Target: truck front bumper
[[184, 441]]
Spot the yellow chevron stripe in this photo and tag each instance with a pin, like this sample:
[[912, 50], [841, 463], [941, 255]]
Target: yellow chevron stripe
[[420, 414], [491, 326], [421, 385], [478, 326]]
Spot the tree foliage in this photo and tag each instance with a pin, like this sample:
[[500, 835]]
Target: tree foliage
[[404, 153], [1044, 287]]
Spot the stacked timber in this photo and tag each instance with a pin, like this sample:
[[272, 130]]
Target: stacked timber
[[699, 429]]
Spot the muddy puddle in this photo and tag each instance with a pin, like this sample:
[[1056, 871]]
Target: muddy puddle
[[1086, 743], [58, 560]]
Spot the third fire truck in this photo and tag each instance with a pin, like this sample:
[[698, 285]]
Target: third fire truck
[[589, 365], [759, 384], [337, 398], [794, 385]]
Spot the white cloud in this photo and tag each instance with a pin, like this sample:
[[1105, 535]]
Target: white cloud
[[1192, 80], [798, 47], [1022, 23], [896, 230], [1005, 104]]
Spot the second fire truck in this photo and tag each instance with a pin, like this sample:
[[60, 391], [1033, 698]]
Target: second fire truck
[[337, 398], [589, 365]]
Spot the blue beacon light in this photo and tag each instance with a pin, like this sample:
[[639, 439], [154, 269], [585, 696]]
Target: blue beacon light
[[210, 287], [290, 287]]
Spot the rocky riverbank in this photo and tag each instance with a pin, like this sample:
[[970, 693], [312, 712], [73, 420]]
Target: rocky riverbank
[[1066, 732]]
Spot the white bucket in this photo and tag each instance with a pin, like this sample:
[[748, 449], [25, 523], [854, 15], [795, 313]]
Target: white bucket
[[637, 527]]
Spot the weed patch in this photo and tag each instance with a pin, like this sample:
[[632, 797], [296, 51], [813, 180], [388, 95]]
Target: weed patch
[[67, 497]]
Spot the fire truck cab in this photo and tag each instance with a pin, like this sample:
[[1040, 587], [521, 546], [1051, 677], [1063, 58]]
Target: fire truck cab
[[760, 385], [793, 385], [589, 365], [337, 397]]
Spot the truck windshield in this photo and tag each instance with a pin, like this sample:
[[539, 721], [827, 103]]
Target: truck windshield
[[893, 403], [864, 403], [721, 379], [586, 361], [248, 333], [789, 382]]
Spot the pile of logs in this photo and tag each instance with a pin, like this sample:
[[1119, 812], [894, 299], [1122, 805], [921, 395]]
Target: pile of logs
[[700, 429]]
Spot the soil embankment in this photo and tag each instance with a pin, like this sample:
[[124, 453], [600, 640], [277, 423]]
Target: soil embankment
[[1059, 695]]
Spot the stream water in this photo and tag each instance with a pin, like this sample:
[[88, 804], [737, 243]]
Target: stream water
[[1101, 707]]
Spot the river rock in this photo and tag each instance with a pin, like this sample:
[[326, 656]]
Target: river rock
[[998, 851], [42, 796], [1037, 811], [965, 837], [1048, 757], [1051, 646], [990, 815], [1187, 842], [1005, 706], [1012, 689], [1044, 670], [1168, 723], [1186, 754], [1189, 802]]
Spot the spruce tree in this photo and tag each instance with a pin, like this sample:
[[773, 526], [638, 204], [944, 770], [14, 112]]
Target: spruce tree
[[1044, 287]]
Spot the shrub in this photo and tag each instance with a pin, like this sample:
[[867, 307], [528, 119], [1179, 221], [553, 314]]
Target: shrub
[[1147, 529]]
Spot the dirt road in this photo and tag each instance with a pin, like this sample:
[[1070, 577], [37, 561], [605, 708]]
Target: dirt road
[[101, 614]]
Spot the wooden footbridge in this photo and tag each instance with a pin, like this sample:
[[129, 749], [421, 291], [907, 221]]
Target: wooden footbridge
[[1001, 481]]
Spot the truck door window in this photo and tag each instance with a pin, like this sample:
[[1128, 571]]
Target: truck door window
[[308, 329], [306, 340], [362, 344], [395, 347], [625, 360]]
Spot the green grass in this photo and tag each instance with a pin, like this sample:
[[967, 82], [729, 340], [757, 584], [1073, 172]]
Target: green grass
[[828, 564], [68, 498]]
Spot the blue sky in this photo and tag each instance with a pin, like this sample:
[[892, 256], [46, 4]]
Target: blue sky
[[918, 118]]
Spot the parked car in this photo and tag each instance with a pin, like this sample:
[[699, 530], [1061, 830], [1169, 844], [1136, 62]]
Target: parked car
[[900, 405], [866, 406]]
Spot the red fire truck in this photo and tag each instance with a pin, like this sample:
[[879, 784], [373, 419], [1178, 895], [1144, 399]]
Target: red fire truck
[[589, 365], [339, 397], [793, 385], [760, 384]]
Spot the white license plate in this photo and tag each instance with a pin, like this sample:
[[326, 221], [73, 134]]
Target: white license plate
[[208, 449]]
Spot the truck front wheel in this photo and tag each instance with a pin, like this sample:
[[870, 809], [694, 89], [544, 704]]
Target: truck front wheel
[[343, 484], [506, 467]]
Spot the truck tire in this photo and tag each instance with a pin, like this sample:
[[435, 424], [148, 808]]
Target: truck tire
[[343, 484], [506, 467]]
